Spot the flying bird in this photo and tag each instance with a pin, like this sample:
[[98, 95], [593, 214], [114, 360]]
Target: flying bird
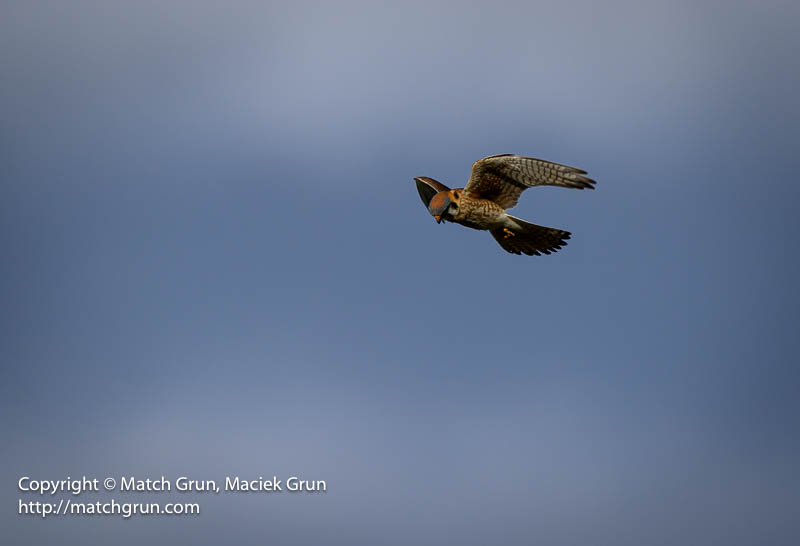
[[495, 184]]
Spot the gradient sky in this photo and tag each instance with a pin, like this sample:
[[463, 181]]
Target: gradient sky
[[215, 263]]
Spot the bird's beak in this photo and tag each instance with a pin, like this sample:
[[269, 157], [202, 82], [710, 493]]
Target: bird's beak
[[438, 219]]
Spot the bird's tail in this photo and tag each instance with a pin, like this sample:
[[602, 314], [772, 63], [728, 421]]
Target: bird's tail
[[521, 237]]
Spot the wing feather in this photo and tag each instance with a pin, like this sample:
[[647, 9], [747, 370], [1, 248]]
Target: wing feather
[[502, 178], [428, 187]]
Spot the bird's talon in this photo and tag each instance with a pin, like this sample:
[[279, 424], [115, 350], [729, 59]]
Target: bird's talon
[[508, 233]]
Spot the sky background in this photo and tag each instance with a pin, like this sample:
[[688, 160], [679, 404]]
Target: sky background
[[215, 263]]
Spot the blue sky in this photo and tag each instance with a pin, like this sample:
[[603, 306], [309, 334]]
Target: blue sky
[[216, 263]]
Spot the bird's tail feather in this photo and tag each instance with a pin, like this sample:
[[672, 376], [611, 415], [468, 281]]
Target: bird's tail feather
[[522, 237]]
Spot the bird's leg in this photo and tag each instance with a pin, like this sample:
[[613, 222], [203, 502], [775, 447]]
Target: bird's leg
[[507, 233]]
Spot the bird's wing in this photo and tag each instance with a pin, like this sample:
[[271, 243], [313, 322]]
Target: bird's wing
[[428, 187], [529, 238], [503, 178]]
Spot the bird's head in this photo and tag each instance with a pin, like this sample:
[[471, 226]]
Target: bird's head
[[444, 205]]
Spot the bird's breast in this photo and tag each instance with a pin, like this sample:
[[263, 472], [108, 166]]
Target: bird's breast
[[479, 213]]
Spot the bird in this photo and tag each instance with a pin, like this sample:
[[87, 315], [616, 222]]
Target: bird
[[494, 186]]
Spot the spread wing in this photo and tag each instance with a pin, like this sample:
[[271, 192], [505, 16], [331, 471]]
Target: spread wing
[[428, 187], [502, 178]]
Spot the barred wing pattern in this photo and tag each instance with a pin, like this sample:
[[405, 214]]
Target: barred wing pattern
[[502, 178], [532, 240]]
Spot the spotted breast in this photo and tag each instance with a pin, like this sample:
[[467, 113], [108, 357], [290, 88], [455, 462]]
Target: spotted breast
[[479, 213]]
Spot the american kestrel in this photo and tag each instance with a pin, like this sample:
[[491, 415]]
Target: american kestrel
[[495, 185]]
